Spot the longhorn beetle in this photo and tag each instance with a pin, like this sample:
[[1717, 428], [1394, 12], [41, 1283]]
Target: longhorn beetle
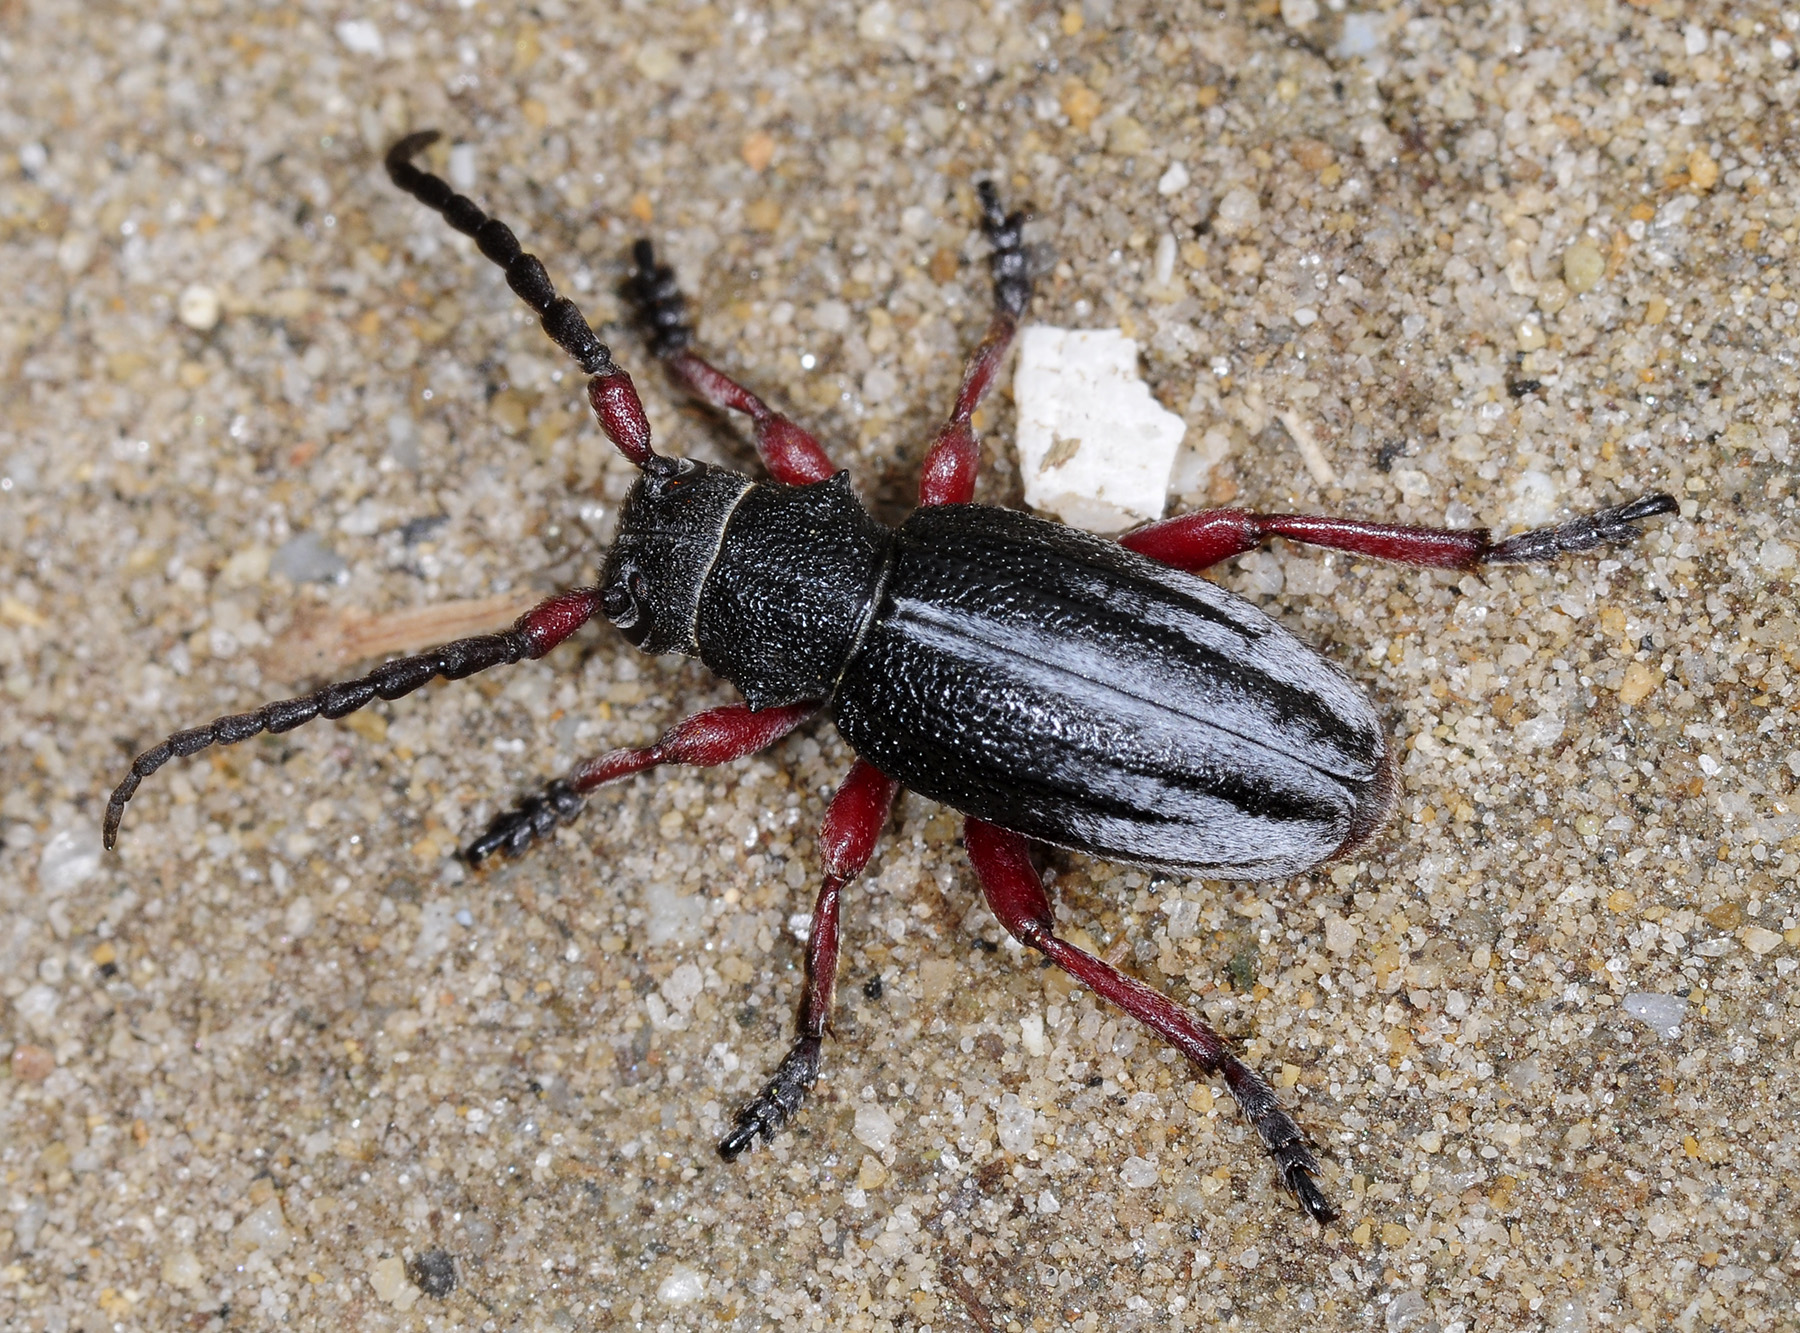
[[1047, 684]]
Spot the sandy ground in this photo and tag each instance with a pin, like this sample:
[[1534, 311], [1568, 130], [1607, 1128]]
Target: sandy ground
[[281, 1060]]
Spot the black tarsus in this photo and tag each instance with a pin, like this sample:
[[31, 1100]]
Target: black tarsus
[[780, 1097], [538, 814], [1008, 264], [525, 274], [1581, 534], [1281, 1137], [656, 300]]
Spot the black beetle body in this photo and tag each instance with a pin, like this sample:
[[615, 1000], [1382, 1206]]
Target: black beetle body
[[1023, 672], [1049, 685]]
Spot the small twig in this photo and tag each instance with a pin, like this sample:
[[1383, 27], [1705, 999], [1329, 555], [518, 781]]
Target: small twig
[[970, 1301], [325, 642]]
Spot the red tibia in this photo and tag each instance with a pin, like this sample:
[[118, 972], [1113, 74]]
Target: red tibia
[[1015, 893], [948, 476], [550, 622], [615, 401], [791, 455], [821, 960], [716, 736], [1196, 541], [847, 839]]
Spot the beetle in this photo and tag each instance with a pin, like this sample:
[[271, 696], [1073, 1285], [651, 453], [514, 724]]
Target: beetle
[[1047, 684]]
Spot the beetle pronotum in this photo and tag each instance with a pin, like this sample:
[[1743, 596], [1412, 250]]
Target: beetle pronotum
[[1048, 685]]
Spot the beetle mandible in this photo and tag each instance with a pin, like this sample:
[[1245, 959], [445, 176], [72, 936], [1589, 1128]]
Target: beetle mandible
[[1049, 685]]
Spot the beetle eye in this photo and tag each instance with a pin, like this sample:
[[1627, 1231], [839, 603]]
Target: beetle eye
[[618, 606], [624, 597]]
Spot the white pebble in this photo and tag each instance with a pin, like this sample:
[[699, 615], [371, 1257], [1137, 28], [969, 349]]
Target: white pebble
[[670, 916], [1299, 13], [299, 917], [1138, 1173], [1693, 37], [75, 251], [874, 1127], [1164, 267], [1362, 33], [1047, 1203], [657, 61], [388, 1278], [1031, 1033], [306, 558], [1567, 1316], [1534, 499], [1760, 941], [364, 38], [1015, 1123], [182, 1269], [1536, 732], [198, 307], [1095, 448], [1307, 443], [70, 859], [1408, 1313], [1663, 1013], [682, 987], [1238, 211], [1174, 180], [462, 167], [683, 1286], [37, 1007], [878, 385], [877, 23], [265, 1228], [1776, 557], [435, 920], [1340, 935]]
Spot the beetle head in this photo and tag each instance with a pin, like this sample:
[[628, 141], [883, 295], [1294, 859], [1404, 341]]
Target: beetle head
[[669, 533]]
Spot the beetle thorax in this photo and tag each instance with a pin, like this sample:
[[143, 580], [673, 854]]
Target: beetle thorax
[[771, 586], [792, 591]]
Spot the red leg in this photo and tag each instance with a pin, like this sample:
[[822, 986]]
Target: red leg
[[704, 740], [791, 455], [532, 635], [857, 815], [1016, 894], [1196, 541], [948, 476]]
